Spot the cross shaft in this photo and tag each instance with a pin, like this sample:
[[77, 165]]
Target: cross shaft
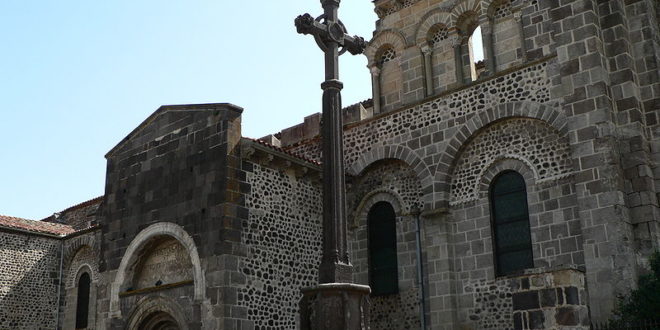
[[330, 35]]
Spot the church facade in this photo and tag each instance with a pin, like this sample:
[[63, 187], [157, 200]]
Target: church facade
[[516, 192]]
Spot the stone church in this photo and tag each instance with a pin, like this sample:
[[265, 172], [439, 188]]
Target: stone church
[[517, 192]]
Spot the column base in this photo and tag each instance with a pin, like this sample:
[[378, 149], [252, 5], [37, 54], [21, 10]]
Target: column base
[[335, 306]]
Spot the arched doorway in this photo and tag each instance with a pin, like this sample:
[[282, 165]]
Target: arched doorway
[[159, 321], [157, 313]]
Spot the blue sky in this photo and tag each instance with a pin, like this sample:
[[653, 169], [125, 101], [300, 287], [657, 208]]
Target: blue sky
[[79, 75]]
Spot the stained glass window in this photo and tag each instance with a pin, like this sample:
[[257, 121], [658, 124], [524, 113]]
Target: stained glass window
[[512, 238], [383, 276]]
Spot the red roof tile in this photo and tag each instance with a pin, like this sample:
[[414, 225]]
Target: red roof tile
[[264, 143], [35, 226]]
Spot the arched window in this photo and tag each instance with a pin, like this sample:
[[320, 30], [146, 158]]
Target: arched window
[[386, 55], [512, 238], [82, 306], [476, 50], [383, 276], [437, 33], [472, 52]]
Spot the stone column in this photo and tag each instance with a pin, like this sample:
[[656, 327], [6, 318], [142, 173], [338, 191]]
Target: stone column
[[456, 42], [427, 60], [375, 87], [489, 46], [521, 33]]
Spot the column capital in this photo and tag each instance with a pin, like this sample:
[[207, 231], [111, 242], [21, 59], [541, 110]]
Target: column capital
[[486, 27], [426, 49], [375, 70], [517, 15], [456, 40]]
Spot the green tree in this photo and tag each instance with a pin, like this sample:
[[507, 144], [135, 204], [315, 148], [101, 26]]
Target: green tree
[[642, 304]]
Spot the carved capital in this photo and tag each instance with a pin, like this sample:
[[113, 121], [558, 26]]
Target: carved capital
[[456, 41], [375, 70], [426, 50], [380, 12], [517, 16]]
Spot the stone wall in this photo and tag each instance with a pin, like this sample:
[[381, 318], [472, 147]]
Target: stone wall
[[283, 239], [81, 255], [29, 280], [178, 171], [394, 182]]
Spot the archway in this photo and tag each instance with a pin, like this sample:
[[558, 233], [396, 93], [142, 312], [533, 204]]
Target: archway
[[159, 321], [156, 234], [157, 313]]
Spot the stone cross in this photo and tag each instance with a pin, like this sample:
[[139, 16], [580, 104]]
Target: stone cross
[[335, 303], [330, 35]]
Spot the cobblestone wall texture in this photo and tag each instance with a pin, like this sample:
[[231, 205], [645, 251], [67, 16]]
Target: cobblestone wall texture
[[534, 142], [283, 239], [29, 281], [391, 181]]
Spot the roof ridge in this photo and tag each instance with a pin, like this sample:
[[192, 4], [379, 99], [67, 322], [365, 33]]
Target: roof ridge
[[280, 149], [83, 204]]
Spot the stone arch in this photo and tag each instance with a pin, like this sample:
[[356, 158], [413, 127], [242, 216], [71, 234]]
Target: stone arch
[[386, 37], [69, 309], [491, 5], [465, 7], [132, 252], [433, 17], [378, 195], [84, 267], [399, 152], [447, 159], [75, 244], [153, 304], [506, 164], [494, 167]]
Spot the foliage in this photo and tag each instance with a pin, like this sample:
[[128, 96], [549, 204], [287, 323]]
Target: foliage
[[642, 304]]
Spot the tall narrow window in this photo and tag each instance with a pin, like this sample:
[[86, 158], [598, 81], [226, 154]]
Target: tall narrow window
[[82, 306], [476, 49], [383, 276], [512, 238]]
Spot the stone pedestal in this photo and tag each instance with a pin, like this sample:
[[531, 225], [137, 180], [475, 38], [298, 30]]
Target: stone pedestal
[[335, 306]]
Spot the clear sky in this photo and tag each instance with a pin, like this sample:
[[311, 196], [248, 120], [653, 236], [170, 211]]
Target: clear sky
[[77, 76]]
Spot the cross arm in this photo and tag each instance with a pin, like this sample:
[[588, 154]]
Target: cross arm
[[333, 31]]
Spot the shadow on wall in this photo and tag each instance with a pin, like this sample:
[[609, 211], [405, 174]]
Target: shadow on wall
[[29, 281]]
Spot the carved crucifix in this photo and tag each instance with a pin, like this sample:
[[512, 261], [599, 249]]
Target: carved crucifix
[[330, 34]]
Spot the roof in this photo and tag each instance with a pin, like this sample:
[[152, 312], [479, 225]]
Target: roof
[[35, 226], [90, 202], [171, 108], [276, 148]]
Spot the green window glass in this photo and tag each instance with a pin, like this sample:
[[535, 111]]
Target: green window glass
[[383, 276], [512, 238]]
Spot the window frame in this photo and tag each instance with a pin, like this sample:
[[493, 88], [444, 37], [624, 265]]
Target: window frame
[[493, 227], [80, 319], [371, 272]]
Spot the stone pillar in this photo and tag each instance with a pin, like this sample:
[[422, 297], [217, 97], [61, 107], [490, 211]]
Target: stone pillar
[[427, 62], [489, 46], [456, 43], [442, 298], [321, 304], [375, 87], [521, 33]]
